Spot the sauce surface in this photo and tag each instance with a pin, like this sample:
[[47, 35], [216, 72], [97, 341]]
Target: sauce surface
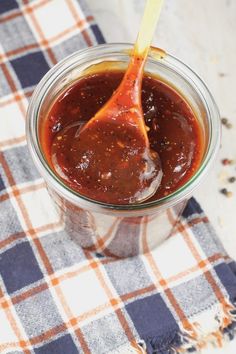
[[173, 131]]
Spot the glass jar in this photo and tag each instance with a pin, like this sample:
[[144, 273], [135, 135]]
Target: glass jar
[[121, 230]]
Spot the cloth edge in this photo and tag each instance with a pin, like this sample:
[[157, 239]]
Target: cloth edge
[[222, 329]]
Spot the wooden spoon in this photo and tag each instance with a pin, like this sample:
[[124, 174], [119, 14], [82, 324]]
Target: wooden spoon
[[113, 160]]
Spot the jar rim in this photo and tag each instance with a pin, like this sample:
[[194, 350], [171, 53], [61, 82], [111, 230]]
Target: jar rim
[[51, 178]]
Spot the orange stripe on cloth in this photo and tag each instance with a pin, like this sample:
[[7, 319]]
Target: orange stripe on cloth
[[36, 340], [71, 321], [13, 88], [80, 24], [138, 292], [100, 245], [77, 18], [113, 301], [83, 269], [167, 281], [26, 189], [15, 192], [29, 293], [17, 51], [31, 231], [10, 16], [163, 283], [12, 346], [84, 345], [202, 264], [195, 268], [18, 97], [56, 281], [177, 226], [171, 218], [18, 13], [12, 238], [52, 332], [12, 321], [23, 234], [36, 5], [12, 142], [29, 10]]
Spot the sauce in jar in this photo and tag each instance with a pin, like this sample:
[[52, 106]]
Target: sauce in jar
[[173, 130]]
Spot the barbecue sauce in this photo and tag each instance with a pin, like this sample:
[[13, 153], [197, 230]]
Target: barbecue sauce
[[173, 131]]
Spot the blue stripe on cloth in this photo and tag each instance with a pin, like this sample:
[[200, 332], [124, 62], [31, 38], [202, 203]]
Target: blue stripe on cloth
[[19, 267], [98, 34], [232, 265], [59, 346], [191, 208], [7, 5], [30, 68], [2, 186], [228, 279], [154, 322]]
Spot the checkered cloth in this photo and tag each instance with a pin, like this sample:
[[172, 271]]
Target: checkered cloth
[[58, 298]]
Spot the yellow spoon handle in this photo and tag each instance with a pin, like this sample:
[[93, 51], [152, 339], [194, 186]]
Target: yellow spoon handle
[[151, 15]]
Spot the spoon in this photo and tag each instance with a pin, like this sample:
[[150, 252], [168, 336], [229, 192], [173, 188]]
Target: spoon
[[113, 161]]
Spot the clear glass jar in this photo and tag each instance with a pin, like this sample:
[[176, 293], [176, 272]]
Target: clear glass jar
[[121, 230]]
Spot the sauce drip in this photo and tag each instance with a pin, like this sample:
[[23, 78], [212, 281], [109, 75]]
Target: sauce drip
[[173, 131]]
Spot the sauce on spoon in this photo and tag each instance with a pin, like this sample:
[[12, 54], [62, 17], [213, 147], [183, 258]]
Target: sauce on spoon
[[112, 150]]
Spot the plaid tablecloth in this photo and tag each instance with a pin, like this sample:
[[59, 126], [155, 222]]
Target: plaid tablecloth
[[54, 296]]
